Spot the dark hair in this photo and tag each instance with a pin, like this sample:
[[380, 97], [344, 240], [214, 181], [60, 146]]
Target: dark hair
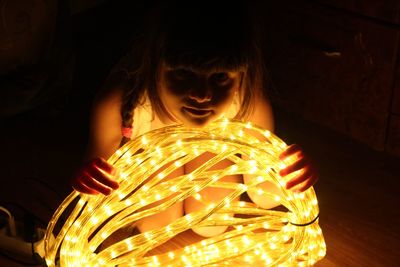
[[199, 35]]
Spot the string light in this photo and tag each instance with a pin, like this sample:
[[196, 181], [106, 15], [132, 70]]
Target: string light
[[256, 236]]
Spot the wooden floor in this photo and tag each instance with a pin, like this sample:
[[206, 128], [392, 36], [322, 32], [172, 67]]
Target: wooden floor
[[358, 196], [358, 190]]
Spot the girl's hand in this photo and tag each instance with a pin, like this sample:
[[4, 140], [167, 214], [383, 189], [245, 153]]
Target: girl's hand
[[308, 175], [95, 177]]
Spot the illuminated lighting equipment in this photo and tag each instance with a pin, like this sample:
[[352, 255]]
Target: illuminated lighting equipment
[[256, 236]]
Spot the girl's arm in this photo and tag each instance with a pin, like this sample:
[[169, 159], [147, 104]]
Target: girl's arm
[[263, 117], [96, 176], [105, 125], [262, 114]]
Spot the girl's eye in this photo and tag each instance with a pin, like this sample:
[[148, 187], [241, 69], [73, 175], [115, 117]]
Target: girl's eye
[[182, 74], [220, 77]]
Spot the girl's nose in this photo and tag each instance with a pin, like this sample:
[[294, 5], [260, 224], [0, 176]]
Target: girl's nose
[[200, 96]]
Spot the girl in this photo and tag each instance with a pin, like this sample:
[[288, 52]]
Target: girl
[[195, 63]]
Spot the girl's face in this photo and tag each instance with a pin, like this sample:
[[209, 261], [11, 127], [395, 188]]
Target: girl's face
[[197, 98]]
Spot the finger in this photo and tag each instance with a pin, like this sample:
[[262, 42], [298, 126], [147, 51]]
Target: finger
[[307, 174], [292, 149], [297, 165], [308, 183], [95, 185], [80, 187], [107, 181], [103, 165], [101, 177]]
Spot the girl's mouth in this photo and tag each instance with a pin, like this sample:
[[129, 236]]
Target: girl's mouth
[[198, 113]]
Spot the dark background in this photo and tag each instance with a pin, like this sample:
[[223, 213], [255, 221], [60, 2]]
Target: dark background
[[334, 66]]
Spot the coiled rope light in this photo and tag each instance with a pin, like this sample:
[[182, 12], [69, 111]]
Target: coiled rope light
[[256, 235]]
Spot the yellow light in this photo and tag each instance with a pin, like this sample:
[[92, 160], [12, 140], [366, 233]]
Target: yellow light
[[258, 237]]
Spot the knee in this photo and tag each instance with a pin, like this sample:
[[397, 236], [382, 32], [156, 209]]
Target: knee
[[210, 231], [191, 205], [266, 202]]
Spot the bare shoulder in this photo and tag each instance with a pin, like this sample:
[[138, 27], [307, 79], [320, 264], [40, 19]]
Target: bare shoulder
[[107, 101], [262, 114], [111, 93]]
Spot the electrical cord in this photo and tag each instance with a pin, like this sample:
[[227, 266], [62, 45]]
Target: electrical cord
[[17, 260], [30, 223], [43, 185], [13, 233], [24, 211], [11, 221]]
